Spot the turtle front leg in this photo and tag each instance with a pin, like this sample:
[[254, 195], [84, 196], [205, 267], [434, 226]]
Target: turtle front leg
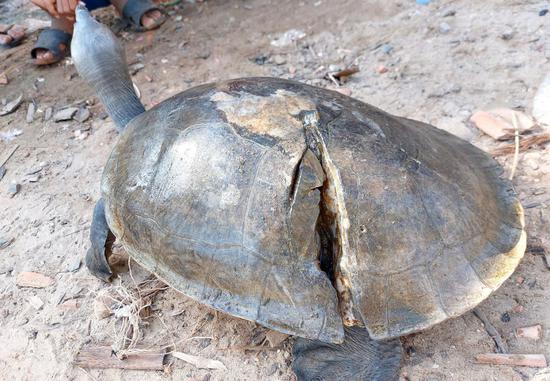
[[101, 239], [358, 358]]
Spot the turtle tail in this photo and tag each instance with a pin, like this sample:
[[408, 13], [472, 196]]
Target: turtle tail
[[101, 61]]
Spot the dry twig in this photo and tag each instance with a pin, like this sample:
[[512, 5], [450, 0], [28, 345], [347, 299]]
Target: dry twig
[[9, 155], [516, 146], [525, 144], [129, 306], [492, 331]]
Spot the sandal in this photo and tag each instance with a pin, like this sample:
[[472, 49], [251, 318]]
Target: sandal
[[52, 40], [11, 35], [134, 10]]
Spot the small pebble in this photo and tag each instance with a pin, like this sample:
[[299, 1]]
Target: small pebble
[[73, 264], [65, 114], [48, 114], [80, 135], [382, 69], [204, 54], [507, 34], [33, 178], [449, 13], [30, 112], [5, 242], [387, 48], [543, 12], [13, 189], [518, 309], [36, 302], [82, 115], [261, 59], [279, 59], [444, 28]]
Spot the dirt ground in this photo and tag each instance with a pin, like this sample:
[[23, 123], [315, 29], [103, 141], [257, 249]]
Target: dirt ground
[[436, 63]]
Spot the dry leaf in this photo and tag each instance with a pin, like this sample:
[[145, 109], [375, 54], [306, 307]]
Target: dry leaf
[[525, 122], [200, 362], [493, 126], [498, 122]]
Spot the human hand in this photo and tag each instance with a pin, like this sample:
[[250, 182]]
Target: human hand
[[47, 5], [66, 8]]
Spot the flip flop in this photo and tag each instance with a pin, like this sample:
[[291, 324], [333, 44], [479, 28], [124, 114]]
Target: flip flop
[[50, 39], [134, 10]]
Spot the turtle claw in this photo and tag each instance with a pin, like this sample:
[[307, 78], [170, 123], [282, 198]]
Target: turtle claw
[[358, 358], [101, 239]]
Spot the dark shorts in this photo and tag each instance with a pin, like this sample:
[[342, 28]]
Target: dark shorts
[[95, 4]]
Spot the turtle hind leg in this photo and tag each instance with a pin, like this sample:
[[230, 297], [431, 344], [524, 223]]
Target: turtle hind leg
[[101, 239], [358, 358]]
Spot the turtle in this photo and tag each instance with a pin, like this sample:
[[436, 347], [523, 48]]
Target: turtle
[[299, 208]]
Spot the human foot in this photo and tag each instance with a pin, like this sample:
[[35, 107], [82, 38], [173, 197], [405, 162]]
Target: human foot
[[11, 35], [53, 43], [142, 14]]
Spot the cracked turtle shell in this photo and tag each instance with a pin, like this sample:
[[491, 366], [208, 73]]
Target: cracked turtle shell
[[292, 206]]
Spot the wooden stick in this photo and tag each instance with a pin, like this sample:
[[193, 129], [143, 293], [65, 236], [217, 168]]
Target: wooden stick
[[492, 331], [535, 361], [102, 357], [516, 146], [5, 160]]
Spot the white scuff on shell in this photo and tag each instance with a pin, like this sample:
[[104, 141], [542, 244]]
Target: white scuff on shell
[[230, 196]]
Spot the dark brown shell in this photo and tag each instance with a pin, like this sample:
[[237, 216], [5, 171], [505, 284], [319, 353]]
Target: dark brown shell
[[218, 191]]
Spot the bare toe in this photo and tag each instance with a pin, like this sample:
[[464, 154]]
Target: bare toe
[[152, 19], [17, 33], [5, 39], [46, 57]]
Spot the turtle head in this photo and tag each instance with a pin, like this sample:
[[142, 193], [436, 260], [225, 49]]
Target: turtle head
[[99, 58]]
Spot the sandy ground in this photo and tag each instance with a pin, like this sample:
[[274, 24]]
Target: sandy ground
[[443, 62]]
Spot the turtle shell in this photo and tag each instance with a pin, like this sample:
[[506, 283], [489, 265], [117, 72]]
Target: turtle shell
[[305, 210]]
